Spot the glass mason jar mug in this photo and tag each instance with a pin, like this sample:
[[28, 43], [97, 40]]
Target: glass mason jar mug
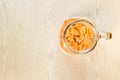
[[80, 36]]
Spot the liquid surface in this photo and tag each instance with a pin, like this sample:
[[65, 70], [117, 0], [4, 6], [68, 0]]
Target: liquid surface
[[79, 36]]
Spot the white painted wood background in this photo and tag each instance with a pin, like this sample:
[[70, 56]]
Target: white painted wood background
[[29, 48]]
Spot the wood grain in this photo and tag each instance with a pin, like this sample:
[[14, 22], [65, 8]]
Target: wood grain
[[29, 48]]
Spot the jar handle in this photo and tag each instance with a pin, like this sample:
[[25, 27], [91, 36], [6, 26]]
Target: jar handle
[[105, 35]]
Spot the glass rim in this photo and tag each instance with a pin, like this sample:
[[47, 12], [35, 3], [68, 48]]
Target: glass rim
[[93, 26]]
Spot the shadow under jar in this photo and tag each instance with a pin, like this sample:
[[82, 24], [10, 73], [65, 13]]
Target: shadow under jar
[[80, 36]]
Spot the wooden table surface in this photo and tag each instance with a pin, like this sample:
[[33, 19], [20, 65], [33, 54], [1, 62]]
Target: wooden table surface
[[29, 40]]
